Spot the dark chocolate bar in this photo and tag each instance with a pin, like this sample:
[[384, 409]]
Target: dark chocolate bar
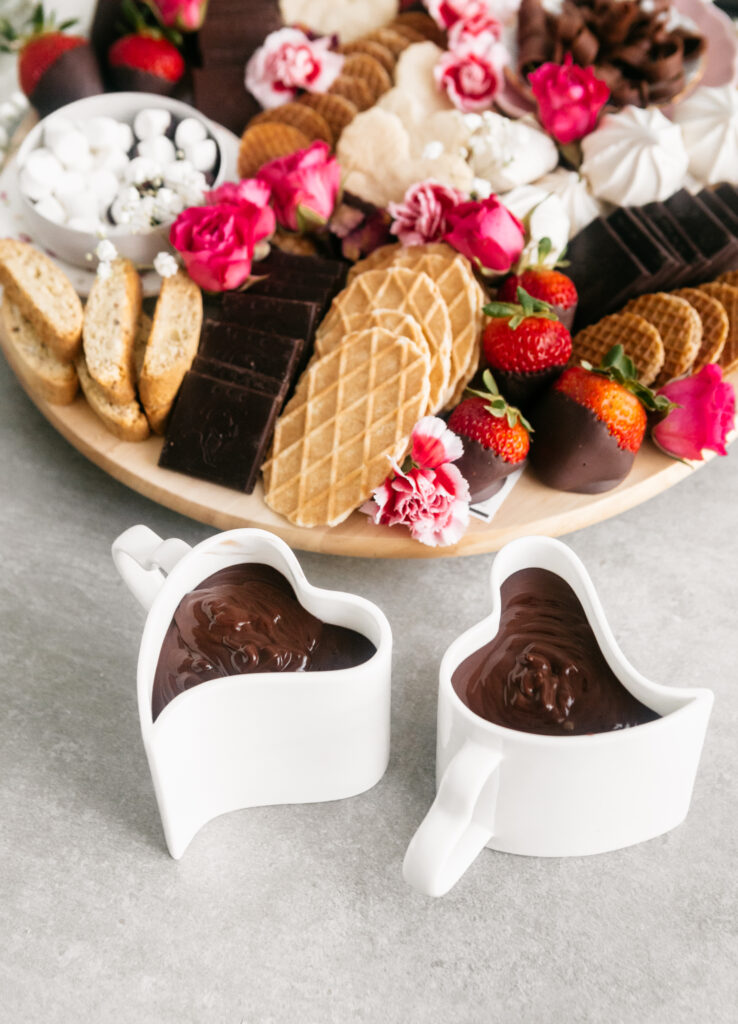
[[716, 245], [273, 355], [281, 287], [219, 431], [220, 94], [661, 263], [604, 270], [720, 209], [729, 195], [302, 267], [296, 319], [239, 375], [664, 222]]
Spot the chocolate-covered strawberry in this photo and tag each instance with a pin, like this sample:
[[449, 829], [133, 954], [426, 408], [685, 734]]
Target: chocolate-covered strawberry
[[495, 436], [145, 60], [550, 286], [53, 68], [526, 346], [591, 424]]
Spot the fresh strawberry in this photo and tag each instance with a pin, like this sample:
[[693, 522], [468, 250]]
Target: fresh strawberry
[[157, 57], [40, 46], [549, 286]]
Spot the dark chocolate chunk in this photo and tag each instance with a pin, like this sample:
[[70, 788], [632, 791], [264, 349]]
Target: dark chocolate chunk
[[273, 355], [281, 287], [604, 270], [240, 375], [301, 267], [296, 319], [73, 76], [720, 209], [219, 431], [729, 195], [661, 263], [662, 220], [221, 95], [714, 242]]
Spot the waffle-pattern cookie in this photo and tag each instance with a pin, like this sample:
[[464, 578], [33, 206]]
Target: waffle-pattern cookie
[[306, 119], [679, 326], [727, 296], [729, 277], [352, 412], [354, 89], [265, 142], [409, 33], [378, 259], [421, 23], [369, 70], [398, 323], [394, 41], [715, 325], [373, 49], [640, 340], [337, 111], [409, 292]]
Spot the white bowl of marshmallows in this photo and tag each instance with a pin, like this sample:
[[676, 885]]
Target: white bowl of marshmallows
[[120, 166]]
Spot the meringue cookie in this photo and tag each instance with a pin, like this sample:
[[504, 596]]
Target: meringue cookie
[[573, 191], [634, 156], [510, 153], [544, 216], [709, 123]]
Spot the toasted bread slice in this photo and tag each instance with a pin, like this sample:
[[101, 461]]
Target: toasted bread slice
[[109, 332], [43, 294], [173, 342], [125, 420], [41, 368], [143, 330]]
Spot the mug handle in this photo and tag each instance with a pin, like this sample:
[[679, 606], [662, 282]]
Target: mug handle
[[142, 558], [449, 838]]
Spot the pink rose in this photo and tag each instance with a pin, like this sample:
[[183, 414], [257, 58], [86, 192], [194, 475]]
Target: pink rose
[[186, 15], [446, 13], [217, 243], [486, 233], [288, 61], [471, 79], [704, 417], [248, 191], [422, 215], [304, 185], [478, 32], [569, 99]]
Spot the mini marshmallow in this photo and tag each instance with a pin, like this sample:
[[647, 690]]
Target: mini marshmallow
[[73, 192], [90, 225], [51, 209], [104, 185], [32, 188], [150, 122], [125, 137], [43, 167], [141, 169], [115, 160], [102, 133], [182, 177], [202, 155], [160, 149], [72, 150], [189, 131], [55, 128]]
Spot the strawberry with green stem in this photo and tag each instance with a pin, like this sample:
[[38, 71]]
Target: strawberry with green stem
[[146, 59], [545, 283], [495, 435]]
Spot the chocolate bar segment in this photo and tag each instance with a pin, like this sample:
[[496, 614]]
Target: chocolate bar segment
[[666, 228], [661, 263], [296, 319], [605, 271], [711, 239], [273, 355], [240, 375], [720, 209]]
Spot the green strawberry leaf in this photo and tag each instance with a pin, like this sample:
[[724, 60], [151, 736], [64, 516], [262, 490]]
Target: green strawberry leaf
[[497, 405]]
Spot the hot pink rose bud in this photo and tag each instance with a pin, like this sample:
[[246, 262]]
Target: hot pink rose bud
[[486, 233], [288, 61], [422, 215], [248, 191], [569, 99], [471, 79], [704, 417], [304, 185], [186, 15]]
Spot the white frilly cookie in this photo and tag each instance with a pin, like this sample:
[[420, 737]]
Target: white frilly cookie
[[509, 153], [574, 192], [544, 216], [709, 123]]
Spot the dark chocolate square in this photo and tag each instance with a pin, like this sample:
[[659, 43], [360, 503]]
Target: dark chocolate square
[[604, 270], [714, 242], [663, 221], [303, 267], [720, 209], [661, 263], [220, 95], [281, 287], [219, 431], [240, 375], [729, 195], [295, 319], [273, 355]]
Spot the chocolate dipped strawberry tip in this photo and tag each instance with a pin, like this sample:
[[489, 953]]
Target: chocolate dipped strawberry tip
[[620, 367]]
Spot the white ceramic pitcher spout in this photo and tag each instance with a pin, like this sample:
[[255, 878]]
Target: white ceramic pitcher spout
[[553, 796], [265, 738]]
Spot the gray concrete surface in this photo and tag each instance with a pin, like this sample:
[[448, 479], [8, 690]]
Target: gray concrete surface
[[300, 914]]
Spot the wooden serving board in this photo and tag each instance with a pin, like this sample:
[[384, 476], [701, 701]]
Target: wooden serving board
[[530, 508]]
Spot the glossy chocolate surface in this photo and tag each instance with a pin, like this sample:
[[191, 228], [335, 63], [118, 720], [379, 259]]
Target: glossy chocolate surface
[[247, 619], [73, 76], [573, 450], [544, 671], [523, 389], [483, 470]]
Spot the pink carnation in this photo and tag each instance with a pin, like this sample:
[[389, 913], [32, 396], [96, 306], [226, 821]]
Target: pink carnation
[[569, 99], [704, 417], [486, 233], [471, 79], [433, 444], [304, 185], [289, 61], [478, 32], [447, 13], [421, 217]]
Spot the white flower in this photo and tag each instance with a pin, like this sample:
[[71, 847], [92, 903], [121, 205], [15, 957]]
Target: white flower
[[168, 204], [106, 251], [104, 270], [165, 264]]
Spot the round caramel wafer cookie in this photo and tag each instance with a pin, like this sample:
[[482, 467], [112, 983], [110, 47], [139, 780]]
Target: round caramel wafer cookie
[[373, 49], [265, 142], [394, 42], [352, 412], [727, 296], [639, 338], [409, 292], [305, 118], [729, 277], [369, 70], [337, 111], [715, 325], [354, 89], [408, 32], [422, 23], [679, 326]]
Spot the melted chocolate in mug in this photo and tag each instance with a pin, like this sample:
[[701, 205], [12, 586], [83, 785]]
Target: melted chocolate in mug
[[544, 671], [244, 619]]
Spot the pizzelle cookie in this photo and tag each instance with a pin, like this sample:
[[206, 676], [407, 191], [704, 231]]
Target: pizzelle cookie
[[401, 324], [679, 326], [715, 325], [378, 259], [409, 292], [265, 142], [353, 411], [727, 296], [640, 340]]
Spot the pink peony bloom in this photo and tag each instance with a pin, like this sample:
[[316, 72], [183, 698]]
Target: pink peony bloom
[[304, 185], [569, 99], [186, 15], [446, 13], [217, 243], [471, 79], [486, 233], [704, 417], [250, 191], [479, 32], [421, 217], [288, 61]]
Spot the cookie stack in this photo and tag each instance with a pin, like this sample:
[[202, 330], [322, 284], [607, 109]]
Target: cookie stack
[[401, 341]]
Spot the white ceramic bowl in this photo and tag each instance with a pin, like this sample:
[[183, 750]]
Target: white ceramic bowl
[[75, 246]]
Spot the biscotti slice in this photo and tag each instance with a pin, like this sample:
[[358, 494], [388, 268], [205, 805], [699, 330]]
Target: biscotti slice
[[109, 332], [42, 370], [175, 335], [43, 294], [125, 420], [143, 330]]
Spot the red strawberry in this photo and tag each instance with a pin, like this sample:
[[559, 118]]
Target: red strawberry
[[591, 424], [550, 286], [48, 77], [525, 345], [145, 60], [496, 439]]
